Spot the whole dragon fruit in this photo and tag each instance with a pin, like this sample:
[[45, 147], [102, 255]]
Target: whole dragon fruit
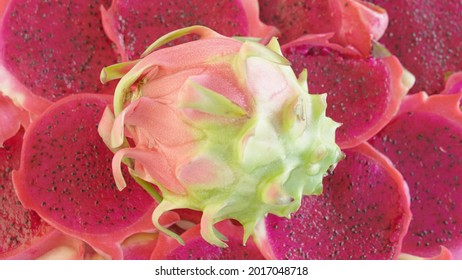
[[219, 125]]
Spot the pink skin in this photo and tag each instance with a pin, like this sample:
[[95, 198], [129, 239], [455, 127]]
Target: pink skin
[[349, 219], [133, 32], [196, 248], [87, 205], [158, 96], [444, 254], [453, 84], [11, 119], [374, 81], [354, 23], [3, 4], [423, 141]]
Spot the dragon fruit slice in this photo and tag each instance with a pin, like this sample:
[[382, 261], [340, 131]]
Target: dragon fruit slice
[[50, 49], [362, 93], [426, 36], [134, 25], [24, 234], [424, 143], [220, 126], [65, 176], [363, 213], [196, 248], [354, 23]]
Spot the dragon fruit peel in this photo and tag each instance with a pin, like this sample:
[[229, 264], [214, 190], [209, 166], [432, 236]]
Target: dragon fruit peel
[[220, 125]]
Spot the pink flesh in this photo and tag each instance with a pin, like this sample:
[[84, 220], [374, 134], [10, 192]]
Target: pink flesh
[[65, 176], [24, 234], [427, 38], [362, 93], [352, 22], [18, 225], [424, 143], [140, 23], [54, 49], [196, 248], [349, 220]]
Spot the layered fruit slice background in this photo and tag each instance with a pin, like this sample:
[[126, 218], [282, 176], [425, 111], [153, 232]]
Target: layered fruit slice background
[[392, 74]]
